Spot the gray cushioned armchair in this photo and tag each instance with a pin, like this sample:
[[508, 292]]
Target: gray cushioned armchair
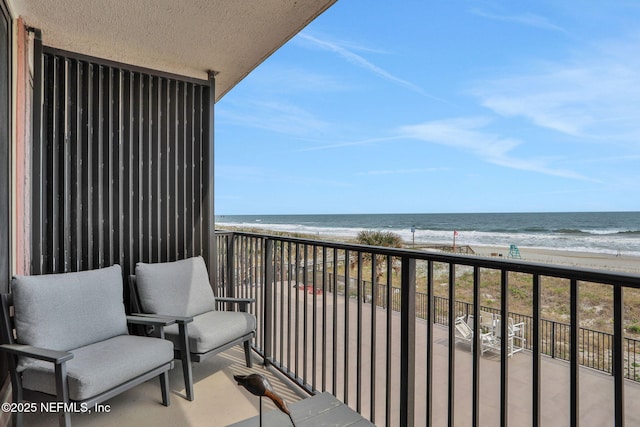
[[180, 290], [66, 336]]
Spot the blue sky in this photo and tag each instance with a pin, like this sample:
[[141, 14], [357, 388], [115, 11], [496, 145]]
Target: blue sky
[[437, 107]]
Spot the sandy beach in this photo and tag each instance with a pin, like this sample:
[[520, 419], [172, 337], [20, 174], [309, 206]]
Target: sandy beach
[[598, 261]]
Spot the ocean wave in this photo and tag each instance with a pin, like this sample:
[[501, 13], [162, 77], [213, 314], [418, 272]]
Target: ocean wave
[[571, 231], [599, 232], [514, 230], [535, 229], [630, 232]]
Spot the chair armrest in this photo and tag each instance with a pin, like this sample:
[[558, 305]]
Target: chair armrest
[[173, 319], [157, 322], [53, 356], [236, 300], [243, 303], [517, 328], [150, 320]]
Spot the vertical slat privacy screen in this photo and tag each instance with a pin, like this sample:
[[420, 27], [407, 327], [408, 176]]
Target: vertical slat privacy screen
[[120, 166], [5, 144]]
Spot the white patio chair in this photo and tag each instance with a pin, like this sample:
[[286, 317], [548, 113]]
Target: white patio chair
[[487, 320], [515, 333], [464, 333]]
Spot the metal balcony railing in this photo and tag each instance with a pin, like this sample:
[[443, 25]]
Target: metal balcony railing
[[318, 326]]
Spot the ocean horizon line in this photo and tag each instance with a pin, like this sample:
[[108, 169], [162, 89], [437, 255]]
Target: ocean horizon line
[[429, 213]]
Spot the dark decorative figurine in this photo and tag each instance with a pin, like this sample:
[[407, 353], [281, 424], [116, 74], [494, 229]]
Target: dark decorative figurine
[[258, 385]]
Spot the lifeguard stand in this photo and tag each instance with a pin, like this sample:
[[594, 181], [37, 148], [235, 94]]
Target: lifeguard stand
[[514, 252]]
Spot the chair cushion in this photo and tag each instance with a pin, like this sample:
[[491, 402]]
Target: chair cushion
[[70, 310], [179, 288], [101, 366], [213, 329]]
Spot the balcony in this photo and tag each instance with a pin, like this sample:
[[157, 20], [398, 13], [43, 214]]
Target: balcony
[[392, 361]]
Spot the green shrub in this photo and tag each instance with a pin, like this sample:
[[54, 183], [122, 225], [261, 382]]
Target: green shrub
[[633, 329]]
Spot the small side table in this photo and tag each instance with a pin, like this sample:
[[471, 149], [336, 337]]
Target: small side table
[[316, 411]]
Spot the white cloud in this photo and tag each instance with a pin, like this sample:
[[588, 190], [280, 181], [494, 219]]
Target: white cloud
[[240, 172], [350, 143], [463, 133], [401, 171], [260, 175], [358, 60], [593, 95], [469, 135], [342, 50], [528, 19], [281, 117], [272, 76]]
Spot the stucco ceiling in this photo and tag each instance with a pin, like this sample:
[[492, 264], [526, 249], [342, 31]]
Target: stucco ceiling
[[186, 37]]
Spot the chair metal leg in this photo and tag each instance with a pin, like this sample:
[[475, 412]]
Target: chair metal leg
[[247, 353], [164, 387], [16, 419], [185, 356], [62, 391], [188, 375]]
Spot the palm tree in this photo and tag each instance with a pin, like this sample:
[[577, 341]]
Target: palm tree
[[377, 238]]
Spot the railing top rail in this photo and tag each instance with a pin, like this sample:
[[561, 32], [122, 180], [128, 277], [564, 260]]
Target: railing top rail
[[582, 274]]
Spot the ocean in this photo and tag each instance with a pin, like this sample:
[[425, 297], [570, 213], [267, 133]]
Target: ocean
[[599, 232]]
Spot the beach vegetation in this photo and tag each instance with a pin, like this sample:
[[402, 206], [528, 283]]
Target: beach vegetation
[[386, 239], [383, 239], [634, 329]]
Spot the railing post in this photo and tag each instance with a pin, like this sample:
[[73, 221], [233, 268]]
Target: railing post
[[574, 373], [504, 348], [553, 339], [215, 275], [231, 264], [476, 349], [618, 355], [408, 341], [451, 316], [430, 318], [537, 350], [267, 327]]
